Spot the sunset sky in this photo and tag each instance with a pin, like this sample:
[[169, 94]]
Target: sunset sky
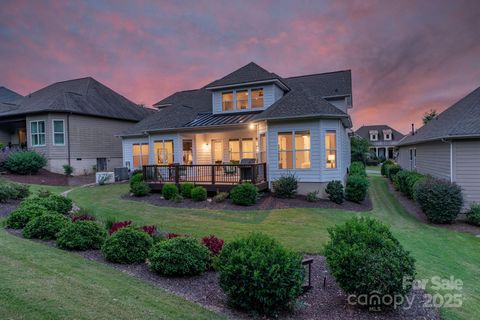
[[406, 56]]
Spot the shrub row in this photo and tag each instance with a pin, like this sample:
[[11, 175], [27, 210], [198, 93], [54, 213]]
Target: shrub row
[[13, 191], [405, 181], [357, 183]]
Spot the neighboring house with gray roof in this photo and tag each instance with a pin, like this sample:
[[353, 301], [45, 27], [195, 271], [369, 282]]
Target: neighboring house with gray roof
[[383, 140], [448, 147], [71, 122], [8, 96], [250, 125]]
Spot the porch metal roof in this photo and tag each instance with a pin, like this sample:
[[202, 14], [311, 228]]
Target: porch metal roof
[[210, 119]]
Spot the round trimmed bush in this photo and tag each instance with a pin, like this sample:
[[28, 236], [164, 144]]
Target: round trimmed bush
[[82, 235], [169, 190], [179, 257], [186, 189], [19, 218], [440, 200], [127, 245], [392, 171], [334, 190], [45, 227], [199, 194], [257, 273], [356, 189], [473, 215], [366, 259], [25, 162], [57, 203], [140, 188], [244, 194]]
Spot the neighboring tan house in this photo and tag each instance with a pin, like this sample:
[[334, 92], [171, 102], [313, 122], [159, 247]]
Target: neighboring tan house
[[71, 122], [251, 125], [383, 140], [448, 147]]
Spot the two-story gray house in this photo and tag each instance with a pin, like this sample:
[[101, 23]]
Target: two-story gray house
[[383, 140], [250, 125], [70, 122]]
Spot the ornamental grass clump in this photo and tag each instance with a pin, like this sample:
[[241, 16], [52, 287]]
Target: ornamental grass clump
[[127, 245], [367, 260]]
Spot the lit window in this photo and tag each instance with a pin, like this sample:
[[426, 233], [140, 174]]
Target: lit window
[[242, 100], [331, 149], [37, 133], [227, 101], [58, 132], [248, 149], [257, 98], [234, 150], [187, 152], [140, 154], [263, 148], [163, 151], [285, 150], [302, 149]]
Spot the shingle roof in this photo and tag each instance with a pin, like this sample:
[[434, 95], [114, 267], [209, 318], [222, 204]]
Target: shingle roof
[[7, 95], [364, 132], [251, 72], [305, 99], [460, 120], [81, 96]]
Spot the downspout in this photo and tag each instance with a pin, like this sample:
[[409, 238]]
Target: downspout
[[68, 139]]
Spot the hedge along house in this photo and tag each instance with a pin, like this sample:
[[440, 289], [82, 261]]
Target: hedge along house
[[448, 147], [251, 125], [71, 122]]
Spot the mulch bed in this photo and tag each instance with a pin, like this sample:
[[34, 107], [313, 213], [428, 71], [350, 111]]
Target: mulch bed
[[413, 209], [48, 178], [8, 207], [320, 302], [266, 202]]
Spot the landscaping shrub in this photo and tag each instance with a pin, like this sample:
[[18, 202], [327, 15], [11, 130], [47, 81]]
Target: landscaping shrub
[[221, 197], [68, 170], [334, 190], [45, 227], [312, 196], [440, 200], [186, 189], [412, 180], [151, 230], [392, 170], [213, 244], [366, 259], [179, 257], [115, 226], [57, 203], [385, 164], [169, 190], [357, 168], [7, 192], [473, 215], [136, 177], [25, 162], [199, 194], [178, 198], [127, 245], [286, 186], [356, 189], [140, 188], [19, 218], [22, 190], [244, 194], [83, 217], [44, 193], [404, 181], [82, 235], [258, 274]]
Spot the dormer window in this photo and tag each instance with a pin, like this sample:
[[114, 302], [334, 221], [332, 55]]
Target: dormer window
[[257, 98], [387, 134], [242, 99], [227, 101], [373, 135]]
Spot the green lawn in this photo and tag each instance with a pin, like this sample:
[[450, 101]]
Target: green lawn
[[438, 252], [40, 282]]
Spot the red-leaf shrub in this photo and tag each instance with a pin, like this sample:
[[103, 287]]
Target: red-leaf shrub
[[83, 217], [151, 230], [213, 244], [119, 225], [172, 235]]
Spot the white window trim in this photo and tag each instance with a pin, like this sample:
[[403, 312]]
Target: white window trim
[[162, 141], [337, 163], [140, 144], [294, 150], [240, 149], [31, 133], [53, 132], [234, 93]]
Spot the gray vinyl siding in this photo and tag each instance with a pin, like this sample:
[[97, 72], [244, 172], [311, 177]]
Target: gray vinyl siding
[[269, 97], [278, 92], [4, 137], [466, 168], [340, 103], [432, 158]]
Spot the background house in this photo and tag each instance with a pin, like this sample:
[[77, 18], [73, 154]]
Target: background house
[[284, 125], [383, 140], [448, 147], [71, 122]]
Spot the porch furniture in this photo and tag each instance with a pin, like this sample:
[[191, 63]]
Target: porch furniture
[[246, 172]]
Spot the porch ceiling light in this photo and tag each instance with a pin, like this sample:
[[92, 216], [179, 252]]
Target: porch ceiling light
[[252, 126]]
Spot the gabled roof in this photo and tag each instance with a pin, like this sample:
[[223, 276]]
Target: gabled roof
[[8, 96], [249, 73], [84, 96], [364, 132], [460, 120]]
